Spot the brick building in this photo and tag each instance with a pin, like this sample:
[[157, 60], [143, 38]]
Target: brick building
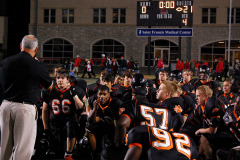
[[89, 28]]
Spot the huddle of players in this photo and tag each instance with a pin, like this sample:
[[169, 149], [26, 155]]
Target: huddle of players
[[163, 119]]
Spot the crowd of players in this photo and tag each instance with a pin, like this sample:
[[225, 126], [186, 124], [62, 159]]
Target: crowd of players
[[130, 117]]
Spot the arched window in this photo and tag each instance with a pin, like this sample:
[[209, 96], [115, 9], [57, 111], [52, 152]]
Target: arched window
[[219, 49], [57, 48], [109, 47]]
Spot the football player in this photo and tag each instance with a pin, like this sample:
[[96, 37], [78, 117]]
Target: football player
[[139, 80], [175, 75], [168, 96], [203, 74], [186, 83], [232, 120], [227, 97], [92, 88], [102, 118], [106, 80], [62, 103], [235, 85], [118, 81], [162, 77], [204, 120], [124, 92], [159, 144], [139, 111]]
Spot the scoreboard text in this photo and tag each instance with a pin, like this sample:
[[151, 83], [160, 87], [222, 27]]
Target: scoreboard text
[[165, 13]]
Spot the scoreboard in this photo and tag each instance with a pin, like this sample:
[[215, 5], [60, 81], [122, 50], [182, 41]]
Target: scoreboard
[[165, 13]]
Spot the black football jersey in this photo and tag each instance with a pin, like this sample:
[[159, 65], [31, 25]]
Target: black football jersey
[[232, 121], [178, 105], [92, 89], [141, 112], [204, 116], [93, 97], [151, 95], [162, 144], [187, 87], [189, 105], [191, 95], [157, 83], [228, 99], [124, 93], [110, 109], [61, 105], [226, 107], [116, 86], [212, 84]]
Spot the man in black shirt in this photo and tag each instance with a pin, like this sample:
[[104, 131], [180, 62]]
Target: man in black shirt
[[1, 86], [23, 76]]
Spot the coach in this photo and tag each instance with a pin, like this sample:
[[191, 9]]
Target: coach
[[23, 76], [1, 85]]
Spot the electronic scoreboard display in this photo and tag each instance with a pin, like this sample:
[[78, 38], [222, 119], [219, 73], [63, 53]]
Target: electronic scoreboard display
[[165, 13]]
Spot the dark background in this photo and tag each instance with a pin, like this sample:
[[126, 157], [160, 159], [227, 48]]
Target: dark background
[[18, 13]]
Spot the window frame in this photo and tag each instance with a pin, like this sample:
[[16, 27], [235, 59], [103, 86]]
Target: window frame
[[119, 15], [234, 16], [49, 16], [68, 16], [209, 16], [99, 15]]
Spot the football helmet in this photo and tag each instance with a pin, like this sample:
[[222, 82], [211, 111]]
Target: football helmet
[[203, 72], [138, 80], [175, 75]]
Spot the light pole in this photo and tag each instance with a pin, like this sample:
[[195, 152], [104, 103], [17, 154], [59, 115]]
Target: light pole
[[149, 50], [229, 32]]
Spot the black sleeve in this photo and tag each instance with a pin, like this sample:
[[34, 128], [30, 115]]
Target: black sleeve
[[216, 113], [139, 135], [195, 117], [80, 92], [177, 122], [91, 100], [189, 105], [117, 108], [46, 96], [128, 110], [1, 85], [45, 79]]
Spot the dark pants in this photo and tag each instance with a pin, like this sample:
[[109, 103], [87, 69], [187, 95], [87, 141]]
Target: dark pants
[[225, 74], [84, 72], [213, 74], [236, 73], [219, 77], [93, 72]]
